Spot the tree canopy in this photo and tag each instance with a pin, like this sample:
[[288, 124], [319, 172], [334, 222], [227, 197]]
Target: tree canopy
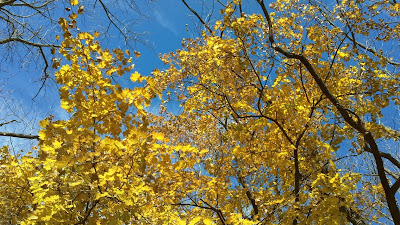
[[286, 118]]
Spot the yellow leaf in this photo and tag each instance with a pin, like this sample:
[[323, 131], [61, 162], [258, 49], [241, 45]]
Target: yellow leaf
[[180, 222], [195, 220], [57, 144], [46, 218], [158, 136], [33, 217], [52, 198], [135, 76], [76, 183], [42, 135], [208, 222], [74, 2], [80, 10], [137, 54], [44, 123], [73, 16]]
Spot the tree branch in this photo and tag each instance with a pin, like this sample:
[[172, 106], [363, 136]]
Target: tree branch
[[11, 121], [356, 124], [46, 75], [209, 207], [386, 156], [4, 3], [352, 216], [248, 194], [11, 39], [396, 185], [109, 15], [26, 136], [198, 16], [88, 212]]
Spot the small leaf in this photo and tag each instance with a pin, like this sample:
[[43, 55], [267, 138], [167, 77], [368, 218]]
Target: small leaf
[[137, 54], [80, 10], [74, 2], [73, 16], [135, 76]]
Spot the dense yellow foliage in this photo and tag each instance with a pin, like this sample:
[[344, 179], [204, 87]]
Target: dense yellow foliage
[[257, 140]]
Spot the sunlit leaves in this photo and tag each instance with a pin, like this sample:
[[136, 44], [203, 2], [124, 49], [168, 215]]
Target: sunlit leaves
[[74, 2], [255, 107], [256, 141], [86, 172], [106, 163], [135, 76]]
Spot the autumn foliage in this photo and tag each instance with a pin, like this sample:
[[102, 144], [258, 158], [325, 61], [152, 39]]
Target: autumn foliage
[[281, 111]]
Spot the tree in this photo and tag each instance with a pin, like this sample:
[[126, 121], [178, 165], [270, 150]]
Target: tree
[[20, 25], [106, 163], [277, 105], [287, 95], [28, 31], [84, 172]]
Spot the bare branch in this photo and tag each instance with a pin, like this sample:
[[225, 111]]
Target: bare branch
[[386, 156], [198, 17], [26, 136], [110, 17], [248, 194], [9, 2], [11, 121], [46, 75], [11, 39]]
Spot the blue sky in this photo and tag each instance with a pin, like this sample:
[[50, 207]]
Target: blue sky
[[165, 23], [164, 28], [164, 33]]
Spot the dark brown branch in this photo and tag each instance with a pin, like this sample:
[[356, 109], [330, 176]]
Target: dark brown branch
[[347, 116], [396, 185], [88, 212], [297, 174], [7, 3], [208, 207], [35, 7], [248, 194], [198, 17], [302, 82], [386, 156], [5, 123], [46, 75], [26, 136], [253, 68], [352, 216], [109, 15], [7, 40], [218, 211], [373, 51], [193, 205]]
